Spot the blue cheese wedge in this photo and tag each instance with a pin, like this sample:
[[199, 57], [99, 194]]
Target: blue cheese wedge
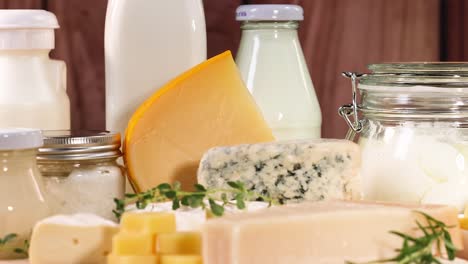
[[289, 171]]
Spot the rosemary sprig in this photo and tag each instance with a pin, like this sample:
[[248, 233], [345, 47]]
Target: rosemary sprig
[[216, 199], [18, 250], [419, 250]]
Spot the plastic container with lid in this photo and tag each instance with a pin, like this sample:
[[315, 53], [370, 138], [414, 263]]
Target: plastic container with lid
[[80, 171], [272, 64], [32, 86], [22, 200], [412, 126]]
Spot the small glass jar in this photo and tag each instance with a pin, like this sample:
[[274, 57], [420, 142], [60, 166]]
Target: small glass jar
[[22, 202], [80, 171], [413, 131]]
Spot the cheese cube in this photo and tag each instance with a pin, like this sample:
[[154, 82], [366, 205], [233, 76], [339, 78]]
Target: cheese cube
[[290, 171], [464, 222], [113, 259], [149, 222], [81, 238], [184, 243], [182, 259], [317, 232], [127, 244]]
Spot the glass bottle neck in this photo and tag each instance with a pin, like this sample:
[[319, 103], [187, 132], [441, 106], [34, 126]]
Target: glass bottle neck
[[269, 25]]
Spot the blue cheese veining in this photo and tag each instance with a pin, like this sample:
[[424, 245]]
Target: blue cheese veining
[[289, 171]]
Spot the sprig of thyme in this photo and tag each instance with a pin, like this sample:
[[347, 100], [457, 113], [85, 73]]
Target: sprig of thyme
[[420, 250], [18, 250], [216, 198]]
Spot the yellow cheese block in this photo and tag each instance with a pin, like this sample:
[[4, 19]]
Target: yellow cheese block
[[150, 222], [204, 107], [183, 243], [127, 244], [180, 259], [113, 259], [463, 222]]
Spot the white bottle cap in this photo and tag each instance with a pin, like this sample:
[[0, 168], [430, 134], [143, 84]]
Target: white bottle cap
[[27, 29], [269, 13], [20, 138]]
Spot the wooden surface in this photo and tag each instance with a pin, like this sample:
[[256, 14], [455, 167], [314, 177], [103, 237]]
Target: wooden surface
[[336, 36]]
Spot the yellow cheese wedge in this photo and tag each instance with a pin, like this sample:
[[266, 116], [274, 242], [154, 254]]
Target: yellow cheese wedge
[[204, 107], [149, 222], [113, 259], [183, 243], [180, 259], [127, 244]]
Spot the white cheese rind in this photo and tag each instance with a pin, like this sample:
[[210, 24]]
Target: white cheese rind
[[72, 239], [290, 170]]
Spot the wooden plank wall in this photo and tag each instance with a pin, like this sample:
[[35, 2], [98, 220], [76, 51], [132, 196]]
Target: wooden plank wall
[[337, 35]]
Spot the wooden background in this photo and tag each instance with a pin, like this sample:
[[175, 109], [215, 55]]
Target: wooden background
[[336, 36]]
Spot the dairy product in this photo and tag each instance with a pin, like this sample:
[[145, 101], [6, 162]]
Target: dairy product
[[192, 219], [289, 171], [183, 243], [272, 64], [147, 43], [424, 163], [181, 259], [80, 238], [133, 259], [22, 200], [89, 189], [33, 87], [205, 107], [317, 232]]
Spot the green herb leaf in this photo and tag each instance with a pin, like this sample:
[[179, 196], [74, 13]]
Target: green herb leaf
[[195, 201], [164, 186], [185, 201], [217, 209], [420, 249], [167, 192], [234, 185], [7, 238], [175, 203], [200, 188], [177, 186], [240, 201]]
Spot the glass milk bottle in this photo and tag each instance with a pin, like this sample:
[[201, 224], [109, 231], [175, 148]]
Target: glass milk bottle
[[32, 86], [22, 201], [273, 67], [148, 43]]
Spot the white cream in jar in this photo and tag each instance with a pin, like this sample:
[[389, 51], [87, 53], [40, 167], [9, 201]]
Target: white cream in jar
[[423, 163], [80, 172], [412, 123]]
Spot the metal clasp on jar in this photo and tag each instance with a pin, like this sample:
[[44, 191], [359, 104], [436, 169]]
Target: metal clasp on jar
[[352, 109]]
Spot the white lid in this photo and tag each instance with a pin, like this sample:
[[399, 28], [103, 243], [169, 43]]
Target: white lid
[[269, 13], [27, 29], [20, 138]]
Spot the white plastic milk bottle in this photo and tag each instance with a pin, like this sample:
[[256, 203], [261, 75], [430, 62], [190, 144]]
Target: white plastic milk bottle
[[147, 43], [32, 86], [272, 64]]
